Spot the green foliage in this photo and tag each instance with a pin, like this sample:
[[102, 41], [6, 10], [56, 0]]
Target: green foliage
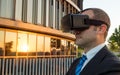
[[80, 51], [118, 55], [114, 40]]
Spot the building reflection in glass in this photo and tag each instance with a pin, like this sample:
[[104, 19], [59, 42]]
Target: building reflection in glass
[[22, 43]]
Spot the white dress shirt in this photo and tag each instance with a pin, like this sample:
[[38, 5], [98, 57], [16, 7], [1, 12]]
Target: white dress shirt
[[91, 53]]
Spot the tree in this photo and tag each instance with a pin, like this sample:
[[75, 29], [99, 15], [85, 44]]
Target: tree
[[114, 40], [8, 46]]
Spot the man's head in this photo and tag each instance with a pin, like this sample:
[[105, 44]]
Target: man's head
[[94, 29], [98, 14], [95, 34]]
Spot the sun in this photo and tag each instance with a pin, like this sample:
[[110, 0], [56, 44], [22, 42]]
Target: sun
[[24, 48]]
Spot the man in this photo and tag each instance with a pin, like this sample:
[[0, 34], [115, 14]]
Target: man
[[99, 60]]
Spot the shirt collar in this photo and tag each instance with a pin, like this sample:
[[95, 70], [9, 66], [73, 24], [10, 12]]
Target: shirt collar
[[92, 52]]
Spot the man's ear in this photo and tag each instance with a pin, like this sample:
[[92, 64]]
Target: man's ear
[[103, 28]]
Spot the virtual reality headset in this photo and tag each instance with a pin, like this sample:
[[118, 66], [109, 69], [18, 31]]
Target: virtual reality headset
[[78, 22]]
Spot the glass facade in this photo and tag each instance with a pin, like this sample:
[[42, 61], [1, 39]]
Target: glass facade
[[28, 53], [31, 40], [22, 43], [41, 12]]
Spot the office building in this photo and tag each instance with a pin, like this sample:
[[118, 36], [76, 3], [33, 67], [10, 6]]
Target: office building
[[31, 39]]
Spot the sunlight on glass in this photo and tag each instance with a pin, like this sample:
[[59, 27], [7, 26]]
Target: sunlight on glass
[[22, 42], [23, 48]]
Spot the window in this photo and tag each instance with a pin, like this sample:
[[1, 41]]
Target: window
[[39, 9], [22, 44], [24, 10], [7, 9], [40, 45], [57, 14], [34, 11], [1, 43], [63, 46], [43, 12], [18, 10], [53, 46], [32, 44], [10, 43], [47, 46], [67, 48], [29, 10], [73, 48], [51, 14]]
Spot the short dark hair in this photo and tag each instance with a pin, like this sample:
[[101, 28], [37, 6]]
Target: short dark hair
[[99, 14]]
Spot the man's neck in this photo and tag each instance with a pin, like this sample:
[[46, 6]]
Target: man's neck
[[86, 49]]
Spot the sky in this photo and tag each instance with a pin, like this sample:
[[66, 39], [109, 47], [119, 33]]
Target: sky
[[111, 7]]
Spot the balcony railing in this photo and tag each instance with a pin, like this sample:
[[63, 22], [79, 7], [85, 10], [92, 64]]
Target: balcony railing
[[35, 65]]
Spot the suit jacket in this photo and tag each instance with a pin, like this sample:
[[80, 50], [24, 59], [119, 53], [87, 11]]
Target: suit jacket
[[103, 63]]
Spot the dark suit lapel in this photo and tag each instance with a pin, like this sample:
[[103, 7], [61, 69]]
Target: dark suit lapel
[[94, 63], [73, 67]]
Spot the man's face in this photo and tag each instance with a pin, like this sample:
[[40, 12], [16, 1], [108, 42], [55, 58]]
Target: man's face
[[86, 37]]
